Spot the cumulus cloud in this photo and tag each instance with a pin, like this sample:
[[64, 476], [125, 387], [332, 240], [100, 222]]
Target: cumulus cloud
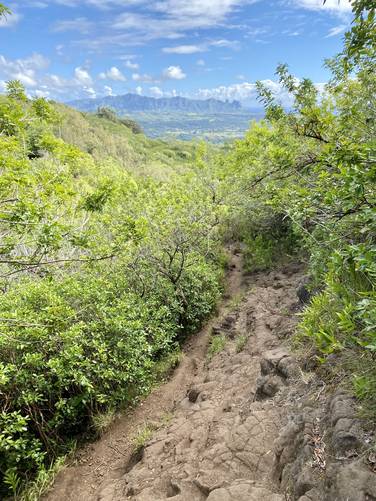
[[113, 74], [32, 72], [156, 91], [91, 93], [24, 70], [246, 92], [174, 73], [82, 76]]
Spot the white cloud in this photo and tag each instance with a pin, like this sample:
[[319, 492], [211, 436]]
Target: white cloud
[[341, 6], [82, 76], [174, 73], [132, 66], [90, 91], [137, 77], [59, 49], [240, 91], [231, 44], [163, 19], [156, 92], [31, 71], [24, 70], [198, 13], [113, 74], [108, 90], [26, 78], [184, 49], [200, 62], [138, 90], [336, 30], [193, 49], [247, 92], [42, 93]]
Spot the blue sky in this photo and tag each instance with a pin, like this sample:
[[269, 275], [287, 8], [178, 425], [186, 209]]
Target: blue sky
[[65, 49]]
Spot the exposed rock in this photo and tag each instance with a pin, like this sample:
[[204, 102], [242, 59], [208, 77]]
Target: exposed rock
[[268, 386], [353, 482], [193, 394], [246, 426], [303, 293], [244, 492]]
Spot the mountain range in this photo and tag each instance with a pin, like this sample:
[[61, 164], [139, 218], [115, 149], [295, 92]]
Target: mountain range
[[135, 103]]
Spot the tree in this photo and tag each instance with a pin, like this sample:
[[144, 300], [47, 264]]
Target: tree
[[16, 90], [4, 11]]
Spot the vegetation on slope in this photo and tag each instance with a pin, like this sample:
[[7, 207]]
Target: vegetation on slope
[[307, 179], [102, 272], [105, 136]]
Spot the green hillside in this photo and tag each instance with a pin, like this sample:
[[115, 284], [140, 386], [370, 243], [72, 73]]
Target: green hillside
[[109, 256], [105, 137]]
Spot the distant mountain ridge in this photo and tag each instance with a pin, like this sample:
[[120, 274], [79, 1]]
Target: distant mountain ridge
[[135, 103]]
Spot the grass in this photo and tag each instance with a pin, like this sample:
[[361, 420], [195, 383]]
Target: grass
[[241, 341], [143, 436], [164, 367], [102, 421], [236, 300], [216, 345], [43, 482]]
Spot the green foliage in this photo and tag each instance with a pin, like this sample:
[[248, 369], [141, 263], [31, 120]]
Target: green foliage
[[4, 11], [167, 364], [110, 114], [102, 274], [15, 90], [43, 481], [313, 170], [217, 344], [143, 436], [241, 342]]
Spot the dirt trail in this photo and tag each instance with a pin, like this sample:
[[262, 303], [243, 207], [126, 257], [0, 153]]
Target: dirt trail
[[246, 424], [104, 460]]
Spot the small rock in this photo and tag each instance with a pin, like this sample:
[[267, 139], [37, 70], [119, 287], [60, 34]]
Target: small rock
[[268, 386], [193, 394]]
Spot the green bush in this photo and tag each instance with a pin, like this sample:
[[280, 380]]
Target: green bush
[[314, 165], [102, 274]]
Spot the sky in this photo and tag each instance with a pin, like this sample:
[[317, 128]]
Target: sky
[[69, 49]]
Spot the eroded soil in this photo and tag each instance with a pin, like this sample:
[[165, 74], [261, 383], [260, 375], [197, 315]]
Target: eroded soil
[[247, 424]]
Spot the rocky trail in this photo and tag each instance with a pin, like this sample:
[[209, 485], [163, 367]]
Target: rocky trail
[[239, 420]]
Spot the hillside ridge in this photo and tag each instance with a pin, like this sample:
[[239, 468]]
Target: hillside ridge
[[133, 102]]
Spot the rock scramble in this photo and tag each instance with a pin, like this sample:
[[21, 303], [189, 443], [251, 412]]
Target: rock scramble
[[246, 423], [219, 443]]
